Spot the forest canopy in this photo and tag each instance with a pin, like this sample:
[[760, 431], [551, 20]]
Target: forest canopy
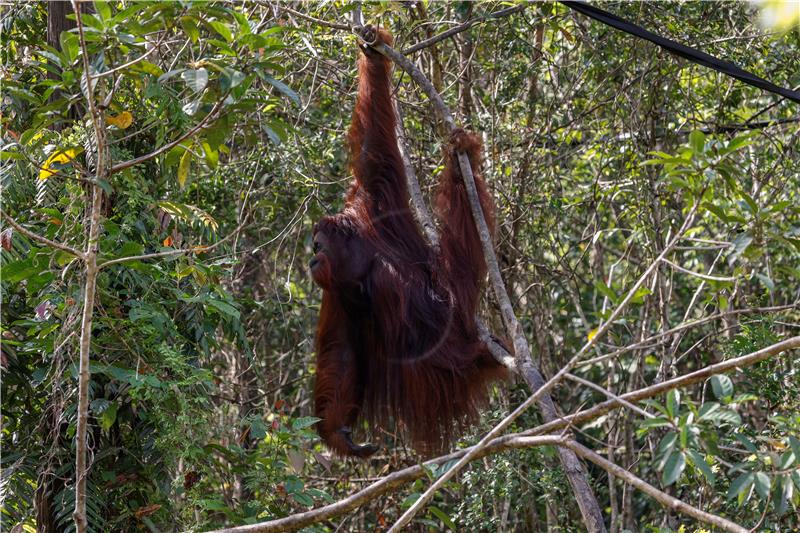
[[163, 164]]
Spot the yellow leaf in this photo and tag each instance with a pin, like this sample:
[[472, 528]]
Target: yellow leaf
[[59, 156], [168, 241], [183, 167], [122, 121], [592, 334]]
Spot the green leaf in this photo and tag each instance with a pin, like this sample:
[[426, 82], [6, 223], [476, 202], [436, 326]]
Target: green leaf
[[230, 78], [722, 386], [189, 25], [699, 462], [673, 402], [304, 422], [109, 416], [102, 9], [665, 447], [605, 291], [70, 45], [183, 168], [738, 142], [441, 515], [707, 410], [409, 500], [224, 308], [273, 136], [657, 422], [211, 155], [741, 242], [794, 444], [763, 484], [282, 87], [673, 468], [222, 29], [751, 204], [786, 460], [169, 74], [782, 493], [196, 79], [148, 68], [724, 415], [768, 283], [740, 487], [697, 141], [303, 499], [718, 212]]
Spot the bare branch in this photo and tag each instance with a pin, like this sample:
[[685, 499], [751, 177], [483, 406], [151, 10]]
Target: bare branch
[[665, 386], [700, 275], [455, 30], [670, 502], [606, 392], [378, 488], [685, 326], [505, 442], [129, 63], [38, 238], [89, 289], [309, 18]]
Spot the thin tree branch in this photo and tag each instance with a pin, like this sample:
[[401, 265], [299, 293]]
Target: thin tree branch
[[700, 275], [38, 238], [168, 253], [670, 502], [406, 475], [455, 30], [169, 146], [666, 386], [309, 18], [682, 327], [129, 63], [387, 484], [608, 393]]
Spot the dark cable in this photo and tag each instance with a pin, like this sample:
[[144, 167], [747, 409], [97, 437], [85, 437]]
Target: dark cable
[[693, 55]]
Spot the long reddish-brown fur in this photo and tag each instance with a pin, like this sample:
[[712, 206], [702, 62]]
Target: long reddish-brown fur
[[397, 339]]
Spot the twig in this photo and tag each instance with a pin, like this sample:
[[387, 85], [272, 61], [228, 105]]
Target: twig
[[421, 213], [606, 392], [700, 275], [169, 146], [670, 502], [129, 63], [309, 18], [406, 475], [194, 249], [665, 386], [681, 327], [44, 240], [455, 30]]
